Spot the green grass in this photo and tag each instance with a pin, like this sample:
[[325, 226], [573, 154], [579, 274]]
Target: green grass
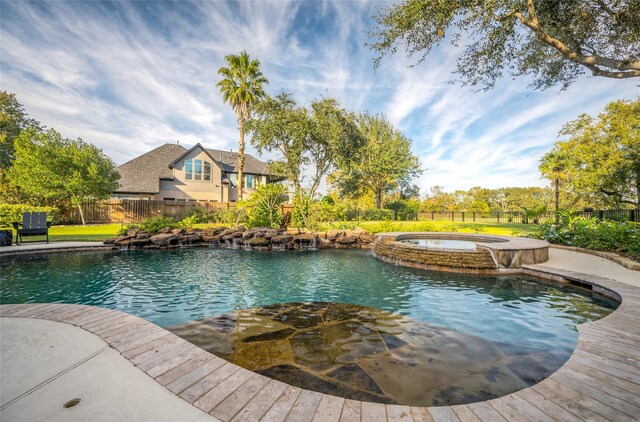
[[100, 232], [88, 233], [506, 229]]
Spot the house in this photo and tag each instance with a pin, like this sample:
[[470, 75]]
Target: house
[[173, 172]]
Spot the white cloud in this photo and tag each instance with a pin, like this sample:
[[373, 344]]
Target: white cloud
[[131, 76]]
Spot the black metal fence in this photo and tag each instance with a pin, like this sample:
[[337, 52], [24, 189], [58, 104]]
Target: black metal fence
[[527, 218]]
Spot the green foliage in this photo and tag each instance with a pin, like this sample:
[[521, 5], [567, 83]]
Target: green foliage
[[188, 222], [150, 225], [309, 214], [302, 210], [52, 169], [232, 217], [552, 41], [380, 165], [155, 224], [601, 157], [242, 87], [404, 209], [319, 136], [13, 120], [10, 213], [266, 206], [591, 233]]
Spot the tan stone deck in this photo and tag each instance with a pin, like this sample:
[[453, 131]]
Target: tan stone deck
[[601, 380]]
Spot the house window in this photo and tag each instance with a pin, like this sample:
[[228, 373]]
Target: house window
[[188, 169], [197, 170], [250, 181]]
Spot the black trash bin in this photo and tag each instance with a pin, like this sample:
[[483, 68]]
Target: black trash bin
[[5, 237]]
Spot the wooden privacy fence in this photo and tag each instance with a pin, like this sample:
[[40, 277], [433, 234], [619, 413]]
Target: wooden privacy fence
[[136, 210]]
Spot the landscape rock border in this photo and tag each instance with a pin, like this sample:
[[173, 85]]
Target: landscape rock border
[[256, 238]]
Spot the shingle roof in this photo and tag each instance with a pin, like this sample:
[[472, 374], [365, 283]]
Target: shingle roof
[[228, 161], [143, 174]]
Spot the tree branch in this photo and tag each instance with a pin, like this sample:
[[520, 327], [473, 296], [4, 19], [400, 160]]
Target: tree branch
[[623, 69]]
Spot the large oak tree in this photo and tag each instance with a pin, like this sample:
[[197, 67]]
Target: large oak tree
[[553, 41], [381, 164]]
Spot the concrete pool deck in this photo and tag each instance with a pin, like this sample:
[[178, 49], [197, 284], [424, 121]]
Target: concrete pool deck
[[125, 368]]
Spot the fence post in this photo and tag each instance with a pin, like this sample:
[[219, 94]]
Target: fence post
[[498, 217], [432, 215], [453, 216], [463, 216], [632, 215], [474, 216], [600, 215]]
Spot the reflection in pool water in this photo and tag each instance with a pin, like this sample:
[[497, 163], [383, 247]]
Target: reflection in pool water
[[441, 244], [502, 316]]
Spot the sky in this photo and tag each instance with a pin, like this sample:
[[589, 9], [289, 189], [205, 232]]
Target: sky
[[131, 76]]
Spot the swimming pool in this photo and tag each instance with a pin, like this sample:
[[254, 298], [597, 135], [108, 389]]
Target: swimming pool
[[176, 286]]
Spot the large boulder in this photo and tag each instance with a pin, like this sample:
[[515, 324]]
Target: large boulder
[[210, 238], [132, 232], [333, 234], [269, 233], [189, 238], [304, 238], [366, 238], [138, 243], [256, 241], [324, 243], [284, 238], [164, 239], [177, 232], [165, 230], [143, 235], [347, 240], [116, 240]]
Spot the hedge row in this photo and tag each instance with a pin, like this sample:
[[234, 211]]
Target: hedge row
[[10, 213]]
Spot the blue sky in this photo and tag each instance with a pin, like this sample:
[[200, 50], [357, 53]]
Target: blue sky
[[130, 76]]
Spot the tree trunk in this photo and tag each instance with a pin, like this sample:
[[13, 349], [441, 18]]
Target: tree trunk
[[379, 199], [240, 158], [81, 213], [557, 192]]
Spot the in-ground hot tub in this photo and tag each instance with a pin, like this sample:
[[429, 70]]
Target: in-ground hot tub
[[460, 252]]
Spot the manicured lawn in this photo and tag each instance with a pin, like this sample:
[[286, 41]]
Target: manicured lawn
[[88, 233], [507, 229]]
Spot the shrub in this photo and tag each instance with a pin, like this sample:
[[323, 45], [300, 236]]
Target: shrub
[[188, 222], [10, 213], [591, 233], [232, 217], [266, 206]]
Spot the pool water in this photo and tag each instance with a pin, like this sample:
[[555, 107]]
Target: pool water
[[441, 244], [176, 286]]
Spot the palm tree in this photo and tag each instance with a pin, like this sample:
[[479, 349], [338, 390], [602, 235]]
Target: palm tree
[[241, 87], [553, 166]]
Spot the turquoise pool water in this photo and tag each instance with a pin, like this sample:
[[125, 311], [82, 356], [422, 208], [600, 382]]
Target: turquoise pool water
[[176, 286]]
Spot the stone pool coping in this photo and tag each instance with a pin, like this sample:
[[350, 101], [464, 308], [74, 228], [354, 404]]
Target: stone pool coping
[[35, 248], [494, 254], [600, 381]]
